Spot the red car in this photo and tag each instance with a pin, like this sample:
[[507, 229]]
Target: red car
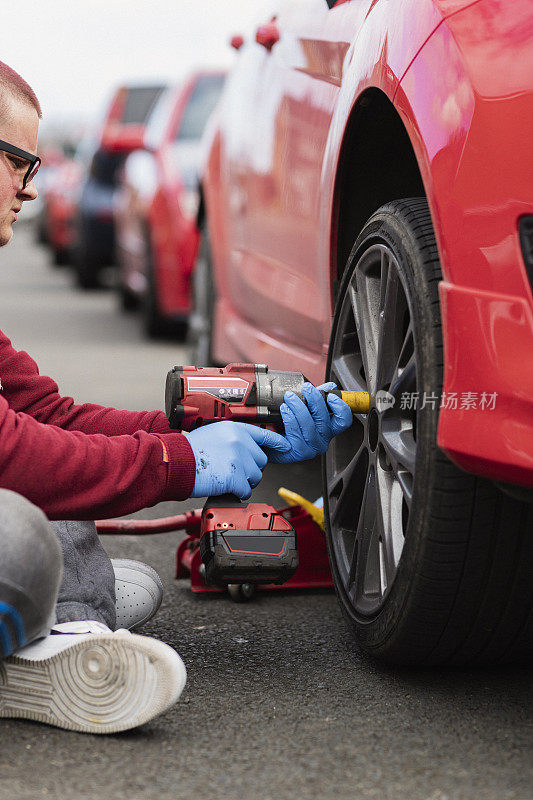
[[157, 204], [60, 206], [369, 219]]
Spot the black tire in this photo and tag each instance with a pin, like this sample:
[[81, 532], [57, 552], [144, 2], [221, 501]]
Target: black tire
[[86, 266], [155, 323], [41, 233], [60, 258], [431, 564], [203, 295], [127, 300]]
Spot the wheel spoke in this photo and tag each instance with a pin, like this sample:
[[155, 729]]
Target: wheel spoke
[[404, 380], [385, 272], [400, 448], [341, 486], [391, 340], [405, 482], [390, 500], [407, 348], [406, 361], [398, 527], [384, 517], [358, 535], [367, 572], [346, 374], [366, 330]]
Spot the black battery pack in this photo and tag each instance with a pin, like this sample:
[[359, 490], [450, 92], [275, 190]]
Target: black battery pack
[[247, 544]]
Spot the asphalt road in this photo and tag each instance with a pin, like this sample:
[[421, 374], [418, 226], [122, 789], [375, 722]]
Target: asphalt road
[[279, 702]]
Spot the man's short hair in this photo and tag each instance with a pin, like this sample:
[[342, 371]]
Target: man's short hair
[[12, 83]]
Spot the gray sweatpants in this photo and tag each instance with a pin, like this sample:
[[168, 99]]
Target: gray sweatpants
[[49, 572]]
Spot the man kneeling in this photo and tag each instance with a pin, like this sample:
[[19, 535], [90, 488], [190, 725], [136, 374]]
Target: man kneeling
[[63, 661]]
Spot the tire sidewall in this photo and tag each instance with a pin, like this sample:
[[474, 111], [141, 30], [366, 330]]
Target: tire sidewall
[[154, 321], [86, 268], [389, 227], [203, 295]]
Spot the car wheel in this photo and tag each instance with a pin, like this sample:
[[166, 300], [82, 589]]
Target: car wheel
[[128, 301], [86, 266], [41, 233], [200, 330], [60, 258], [430, 563], [155, 323]]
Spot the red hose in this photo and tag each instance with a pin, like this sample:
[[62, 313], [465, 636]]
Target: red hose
[[189, 521]]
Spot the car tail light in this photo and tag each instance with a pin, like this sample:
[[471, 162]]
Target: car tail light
[[525, 227]]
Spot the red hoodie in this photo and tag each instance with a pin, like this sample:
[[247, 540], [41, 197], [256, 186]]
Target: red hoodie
[[83, 461]]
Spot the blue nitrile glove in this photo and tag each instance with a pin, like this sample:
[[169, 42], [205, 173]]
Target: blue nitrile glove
[[309, 430], [229, 458]]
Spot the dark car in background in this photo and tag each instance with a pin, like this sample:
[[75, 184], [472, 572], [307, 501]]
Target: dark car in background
[[157, 204], [121, 132]]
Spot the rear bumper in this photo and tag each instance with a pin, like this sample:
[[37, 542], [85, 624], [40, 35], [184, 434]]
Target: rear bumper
[[61, 227], [488, 341]]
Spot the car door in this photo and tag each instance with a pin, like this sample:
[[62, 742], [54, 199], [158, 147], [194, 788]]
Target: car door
[[274, 268]]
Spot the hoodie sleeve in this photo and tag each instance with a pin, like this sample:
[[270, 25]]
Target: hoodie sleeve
[[73, 475], [25, 390], [83, 461]]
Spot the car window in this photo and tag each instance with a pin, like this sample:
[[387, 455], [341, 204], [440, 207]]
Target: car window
[[159, 118], [139, 102], [105, 166], [201, 103]]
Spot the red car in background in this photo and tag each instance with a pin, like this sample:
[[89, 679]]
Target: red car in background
[[51, 159], [60, 203], [368, 203], [157, 204]]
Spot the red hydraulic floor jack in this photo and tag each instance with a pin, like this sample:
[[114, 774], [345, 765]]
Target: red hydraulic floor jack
[[245, 548]]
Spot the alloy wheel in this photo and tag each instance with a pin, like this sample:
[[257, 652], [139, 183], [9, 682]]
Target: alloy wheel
[[370, 469]]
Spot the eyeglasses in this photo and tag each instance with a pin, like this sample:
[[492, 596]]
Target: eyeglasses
[[34, 162]]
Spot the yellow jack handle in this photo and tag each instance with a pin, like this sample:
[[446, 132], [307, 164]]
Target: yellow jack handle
[[293, 499]]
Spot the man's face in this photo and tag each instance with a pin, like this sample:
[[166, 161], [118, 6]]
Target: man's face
[[19, 126]]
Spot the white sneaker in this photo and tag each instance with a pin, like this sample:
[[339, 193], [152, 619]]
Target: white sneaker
[[90, 679], [138, 590]]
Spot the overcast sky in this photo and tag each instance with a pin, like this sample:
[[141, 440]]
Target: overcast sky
[[73, 52]]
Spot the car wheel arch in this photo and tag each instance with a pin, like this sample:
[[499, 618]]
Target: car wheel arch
[[374, 138]]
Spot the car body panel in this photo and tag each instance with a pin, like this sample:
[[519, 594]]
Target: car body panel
[[478, 172], [459, 75], [278, 250]]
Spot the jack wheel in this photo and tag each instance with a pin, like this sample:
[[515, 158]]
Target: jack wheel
[[241, 592]]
